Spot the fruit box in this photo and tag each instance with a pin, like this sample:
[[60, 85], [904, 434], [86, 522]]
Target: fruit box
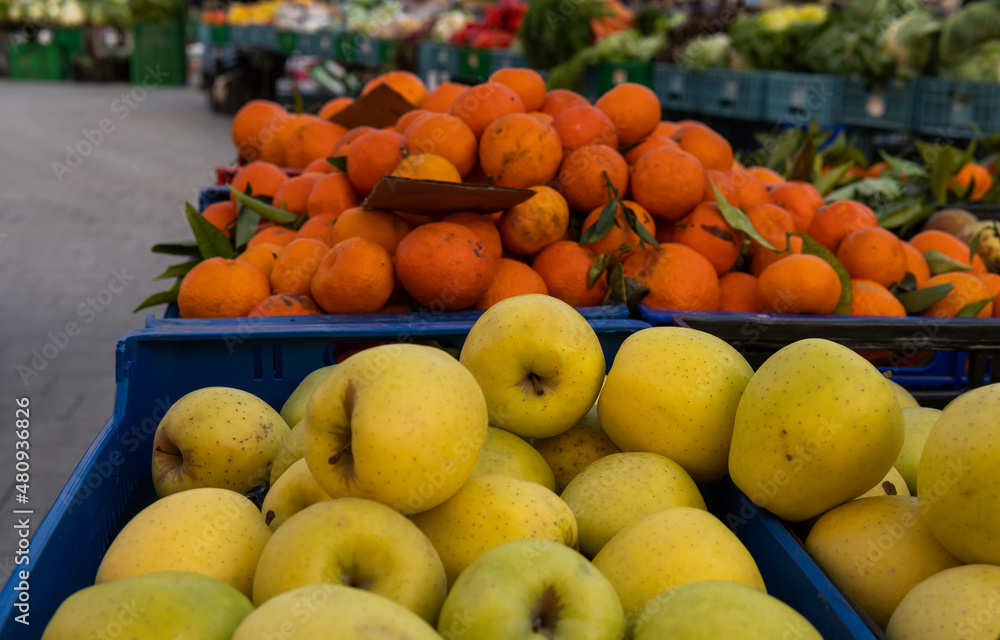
[[968, 349], [437, 56], [155, 367], [677, 88], [732, 94], [892, 108], [798, 98], [950, 109]]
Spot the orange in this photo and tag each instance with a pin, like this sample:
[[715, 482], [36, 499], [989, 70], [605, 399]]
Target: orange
[[869, 298], [262, 256], [285, 304], [706, 231], [772, 223], [319, 228], [949, 245], [992, 282], [427, 166], [531, 226], [444, 266], [738, 293], [765, 175], [665, 129], [485, 228], [564, 266], [441, 98], [726, 187], [558, 100], [972, 175], [355, 276], [518, 151], [651, 142], [621, 233], [582, 176], [875, 254], [835, 221], [877, 169], [278, 235], [344, 144], [709, 147], [751, 191], [407, 119], [293, 194], [296, 265], [372, 156], [512, 278], [319, 165], [763, 258], [219, 288], [544, 117], [668, 182], [333, 193], [916, 264], [678, 277], [634, 109], [481, 104], [248, 123], [276, 133], [381, 227], [446, 136], [314, 141], [528, 84], [799, 284], [966, 288], [222, 215], [800, 199], [263, 178], [583, 125], [404, 83], [331, 108]]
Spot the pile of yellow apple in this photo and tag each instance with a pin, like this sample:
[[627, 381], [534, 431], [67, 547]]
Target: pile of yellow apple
[[517, 492]]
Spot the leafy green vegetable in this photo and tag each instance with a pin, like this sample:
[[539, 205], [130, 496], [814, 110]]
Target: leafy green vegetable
[[553, 31]]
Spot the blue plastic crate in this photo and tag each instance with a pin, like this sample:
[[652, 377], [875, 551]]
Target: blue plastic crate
[[950, 110], [505, 59], [678, 89], [367, 51], [892, 108], [437, 57], [240, 35], [738, 95], [322, 44], [259, 35], [799, 98]]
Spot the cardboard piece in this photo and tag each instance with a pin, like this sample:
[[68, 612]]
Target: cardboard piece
[[434, 198], [380, 107]]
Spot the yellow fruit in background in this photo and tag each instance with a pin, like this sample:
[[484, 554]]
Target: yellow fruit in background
[[877, 549], [962, 603], [509, 455], [294, 408], [892, 484], [571, 451], [918, 422], [289, 452], [817, 426], [294, 491], [904, 397]]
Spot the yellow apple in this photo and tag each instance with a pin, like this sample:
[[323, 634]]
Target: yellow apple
[[571, 451], [509, 455], [539, 363], [295, 490], [918, 422], [892, 484], [904, 397], [289, 452], [294, 408], [962, 603], [402, 424]]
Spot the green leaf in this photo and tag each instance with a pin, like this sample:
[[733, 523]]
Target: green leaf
[[900, 168], [624, 150], [340, 162], [972, 309], [624, 290], [941, 172], [633, 222], [811, 247], [597, 269], [182, 248], [267, 211], [922, 299], [802, 165], [246, 226], [737, 219], [604, 223], [974, 245], [212, 242], [969, 155], [907, 284], [905, 212], [177, 270], [163, 297], [782, 147], [826, 182], [940, 263]]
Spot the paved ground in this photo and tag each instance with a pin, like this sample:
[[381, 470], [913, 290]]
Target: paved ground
[[77, 233]]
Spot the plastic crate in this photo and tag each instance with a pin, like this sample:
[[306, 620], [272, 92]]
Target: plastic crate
[[258, 35], [892, 108], [439, 57], [367, 51], [677, 88], [279, 41], [239, 35], [474, 65], [158, 56], [347, 49], [798, 98], [506, 59], [69, 39], [949, 109], [607, 75], [738, 95], [387, 50], [33, 61], [318, 44]]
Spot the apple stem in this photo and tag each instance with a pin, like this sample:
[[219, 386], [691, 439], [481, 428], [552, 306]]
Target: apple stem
[[335, 458], [269, 517], [536, 384]]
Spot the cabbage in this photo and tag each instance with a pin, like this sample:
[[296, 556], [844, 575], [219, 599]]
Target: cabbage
[[982, 64], [706, 52], [909, 43]]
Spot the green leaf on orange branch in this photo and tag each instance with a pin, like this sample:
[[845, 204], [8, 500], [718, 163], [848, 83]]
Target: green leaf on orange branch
[[340, 162], [597, 268], [939, 263], [624, 290], [802, 163], [736, 218], [246, 226], [163, 297], [645, 237], [212, 242], [902, 169], [604, 223], [177, 270], [265, 210], [181, 248], [944, 167], [826, 182], [922, 299], [811, 247], [974, 245], [972, 309], [624, 150]]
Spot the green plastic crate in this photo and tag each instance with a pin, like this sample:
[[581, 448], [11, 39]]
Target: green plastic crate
[[474, 64], [600, 79], [158, 56], [367, 50], [347, 50], [386, 52], [33, 61], [69, 39], [213, 33]]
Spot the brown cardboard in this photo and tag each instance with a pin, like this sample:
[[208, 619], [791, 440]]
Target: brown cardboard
[[380, 107], [434, 198]]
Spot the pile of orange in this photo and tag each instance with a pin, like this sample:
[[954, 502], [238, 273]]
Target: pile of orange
[[577, 157]]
